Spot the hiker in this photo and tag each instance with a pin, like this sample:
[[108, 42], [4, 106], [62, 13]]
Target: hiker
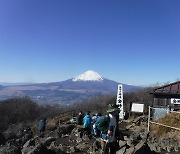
[[42, 126], [96, 131], [87, 122], [108, 125], [80, 118]]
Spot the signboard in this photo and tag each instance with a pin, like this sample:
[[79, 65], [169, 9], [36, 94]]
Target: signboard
[[137, 107], [119, 101], [175, 101]]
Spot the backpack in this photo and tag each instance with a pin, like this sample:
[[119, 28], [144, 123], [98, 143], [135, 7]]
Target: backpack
[[103, 124]]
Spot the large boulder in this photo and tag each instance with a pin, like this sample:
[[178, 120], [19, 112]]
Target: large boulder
[[38, 149], [2, 139], [9, 136], [10, 149], [64, 129]]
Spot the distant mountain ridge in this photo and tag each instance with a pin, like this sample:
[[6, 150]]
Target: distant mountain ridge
[[84, 86]]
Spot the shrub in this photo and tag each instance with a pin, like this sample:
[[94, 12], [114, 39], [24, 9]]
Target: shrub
[[17, 110], [99, 104], [24, 110]]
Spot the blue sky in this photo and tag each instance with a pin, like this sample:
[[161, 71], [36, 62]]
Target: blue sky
[[128, 41]]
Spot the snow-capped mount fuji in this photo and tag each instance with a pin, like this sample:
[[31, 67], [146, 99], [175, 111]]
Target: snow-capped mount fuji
[[92, 82], [86, 85], [88, 76]]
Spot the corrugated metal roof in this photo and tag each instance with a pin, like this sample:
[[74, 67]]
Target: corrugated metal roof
[[173, 88]]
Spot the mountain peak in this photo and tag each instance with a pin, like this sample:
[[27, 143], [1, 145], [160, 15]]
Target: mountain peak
[[88, 76]]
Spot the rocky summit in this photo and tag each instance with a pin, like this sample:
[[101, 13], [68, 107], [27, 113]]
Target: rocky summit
[[64, 137]]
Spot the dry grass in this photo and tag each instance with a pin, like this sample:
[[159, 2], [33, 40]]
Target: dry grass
[[172, 120], [53, 123]]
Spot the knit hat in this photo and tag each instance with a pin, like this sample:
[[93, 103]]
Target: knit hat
[[112, 108]]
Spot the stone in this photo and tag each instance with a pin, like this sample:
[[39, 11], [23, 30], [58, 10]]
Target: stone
[[129, 142], [9, 136], [139, 145], [29, 143], [2, 139], [39, 148], [74, 149], [53, 134], [85, 137], [96, 146], [121, 151], [126, 138], [49, 140], [65, 129], [122, 143], [130, 150], [10, 149]]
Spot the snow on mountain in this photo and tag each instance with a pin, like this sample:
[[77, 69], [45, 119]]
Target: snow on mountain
[[88, 76]]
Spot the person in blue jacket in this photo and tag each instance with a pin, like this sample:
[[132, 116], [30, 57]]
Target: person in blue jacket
[[42, 126], [87, 122]]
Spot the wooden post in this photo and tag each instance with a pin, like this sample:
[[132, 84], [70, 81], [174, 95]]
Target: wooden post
[[149, 117]]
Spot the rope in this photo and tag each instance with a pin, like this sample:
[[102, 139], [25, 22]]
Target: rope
[[149, 121], [164, 125]]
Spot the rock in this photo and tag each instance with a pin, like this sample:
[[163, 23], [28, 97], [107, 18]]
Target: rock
[[74, 149], [53, 134], [152, 146], [63, 147], [64, 129], [130, 150], [129, 143], [168, 149], [78, 140], [28, 146], [96, 146], [37, 145], [64, 136], [85, 137], [55, 149], [2, 139], [129, 126], [25, 138], [38, 149], [10, 149], [9, 136], [18, 130], [176, 149], [122, 143], [73, 134], [135, 136], [26, 150], [83, 146], [29, 143], [121, 151], [144, 135], [48, 141], [139, 145], [158, 149], [126, 138]]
